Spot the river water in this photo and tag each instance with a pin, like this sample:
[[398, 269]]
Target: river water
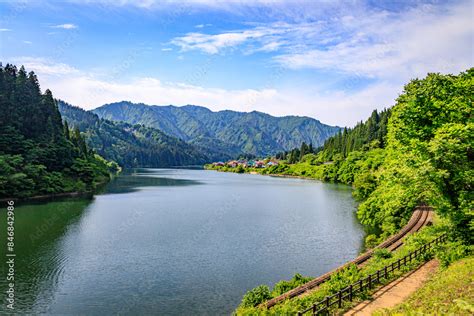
[[176, 241]]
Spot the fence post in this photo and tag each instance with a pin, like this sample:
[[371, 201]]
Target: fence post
[[314, 309], [350, 292], [361, 285], [378, 276], [398, 262], [370, 281], [327, 303], [339, 299], [386, 274]]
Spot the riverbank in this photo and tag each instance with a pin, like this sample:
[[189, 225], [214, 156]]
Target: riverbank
[[49, 197], [297, 171]]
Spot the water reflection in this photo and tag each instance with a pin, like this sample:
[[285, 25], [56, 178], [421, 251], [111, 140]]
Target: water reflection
[[178, 241], [40, 258], [135, 179]]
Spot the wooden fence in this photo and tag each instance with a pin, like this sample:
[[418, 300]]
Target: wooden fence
[[368, 282]]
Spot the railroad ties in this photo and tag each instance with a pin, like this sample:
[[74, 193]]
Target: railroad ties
[[422, 216]]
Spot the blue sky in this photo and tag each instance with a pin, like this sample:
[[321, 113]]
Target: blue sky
[[332, 60]]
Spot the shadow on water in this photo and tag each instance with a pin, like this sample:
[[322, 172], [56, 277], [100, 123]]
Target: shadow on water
[[39, 261], [132, 180]]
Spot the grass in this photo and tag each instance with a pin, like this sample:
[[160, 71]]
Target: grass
[[449, 292], [342, 279]]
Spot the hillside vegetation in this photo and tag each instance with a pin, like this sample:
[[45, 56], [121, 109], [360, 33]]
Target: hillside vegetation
[[134, 145], [423, 156], [38, 154], [226, 131], [449, 292], [419, 151]]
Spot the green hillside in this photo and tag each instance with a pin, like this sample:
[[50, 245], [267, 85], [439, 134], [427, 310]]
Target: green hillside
[[232, 132], [135, 145], [38, 155]]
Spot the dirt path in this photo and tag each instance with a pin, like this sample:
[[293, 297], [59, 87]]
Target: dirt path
[[395, 292]]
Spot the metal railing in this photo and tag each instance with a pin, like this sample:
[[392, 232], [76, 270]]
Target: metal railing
[[368, 282]]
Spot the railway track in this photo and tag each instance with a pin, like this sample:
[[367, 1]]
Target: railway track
[[422, 216]]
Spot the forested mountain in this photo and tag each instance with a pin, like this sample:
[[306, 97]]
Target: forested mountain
[[135, 145], [232, 132], [38, 155]]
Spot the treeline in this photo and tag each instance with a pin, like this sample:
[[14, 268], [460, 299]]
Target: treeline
[[371, 132], [38, 154], [134, 145], [418, 152], [368, 134], [297, 154], [364, 136]]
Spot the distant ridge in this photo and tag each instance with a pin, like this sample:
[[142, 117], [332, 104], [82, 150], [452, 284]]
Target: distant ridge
[[227, 131], [135, 145]]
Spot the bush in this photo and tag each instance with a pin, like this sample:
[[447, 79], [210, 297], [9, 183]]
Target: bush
[[371, 241], [452, 251], [285, 286], [382, 253], [256, 296]]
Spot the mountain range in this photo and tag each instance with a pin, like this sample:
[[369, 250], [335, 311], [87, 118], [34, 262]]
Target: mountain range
[[135, 145], [230, 132]]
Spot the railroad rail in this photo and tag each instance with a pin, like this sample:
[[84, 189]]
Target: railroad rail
[[369, 281], [423, 215]]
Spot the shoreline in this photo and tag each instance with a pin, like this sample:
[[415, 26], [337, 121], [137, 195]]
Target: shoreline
[[46, 197], [278, 175], [53, 196]]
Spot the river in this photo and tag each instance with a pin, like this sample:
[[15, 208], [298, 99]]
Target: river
[[176, 241]]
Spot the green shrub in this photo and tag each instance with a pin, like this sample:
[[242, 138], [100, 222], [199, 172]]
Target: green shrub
[[382, 253], [371, 241], [452, 251], [285, 286], [256, 296]]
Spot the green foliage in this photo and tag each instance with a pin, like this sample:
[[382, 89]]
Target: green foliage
[[38, 154], [365, 135], [429, 155], [382, 253], [284, 286], [452, 251], [420, 152], [256, 296]]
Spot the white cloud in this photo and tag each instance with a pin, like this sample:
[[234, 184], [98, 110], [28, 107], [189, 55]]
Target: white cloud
[[166, 49], [200, 26], [27, 42], [368, 43], [424, 39], [67, 26], [44, 66], [267, 36], [5, 30], [88, 91]]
